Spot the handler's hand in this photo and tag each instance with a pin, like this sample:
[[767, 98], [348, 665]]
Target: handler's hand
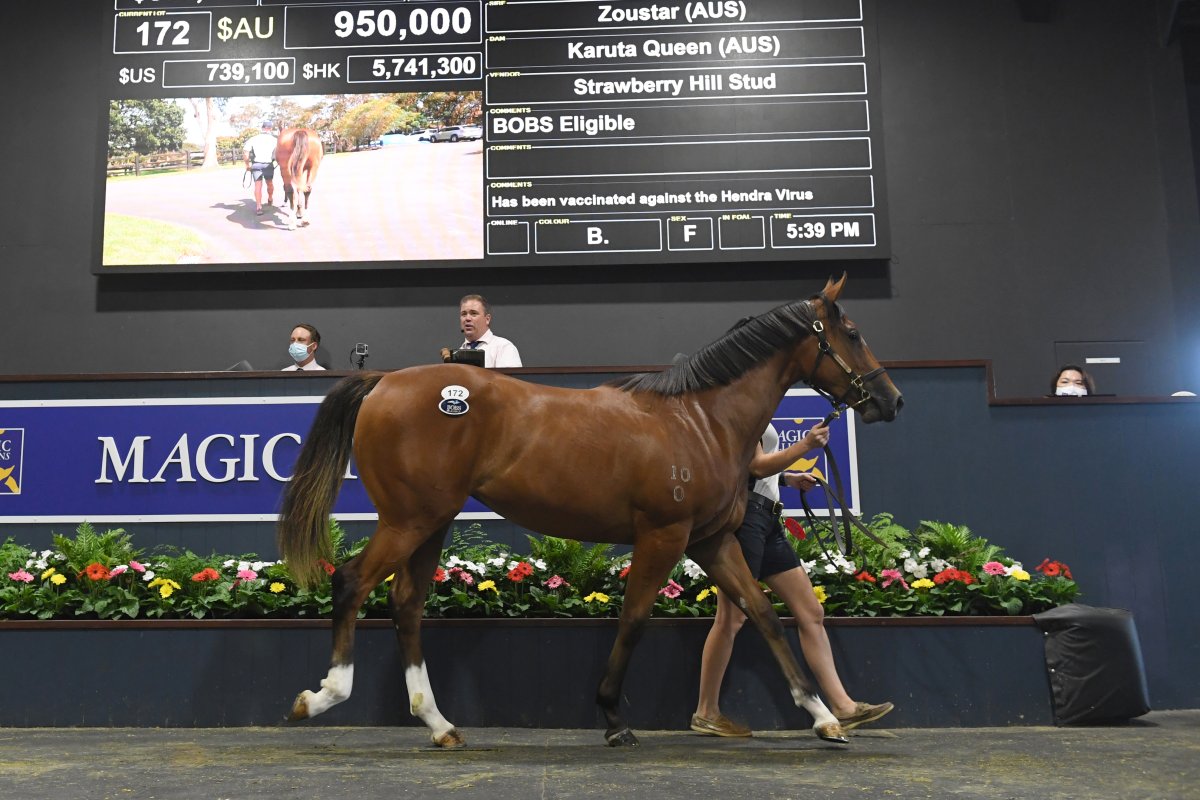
[[799, 480], [446, 355], [817, 438]]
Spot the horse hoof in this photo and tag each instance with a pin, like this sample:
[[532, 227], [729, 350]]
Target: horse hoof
[[450, 739], [300, 707], [622, 738], [831, 732]]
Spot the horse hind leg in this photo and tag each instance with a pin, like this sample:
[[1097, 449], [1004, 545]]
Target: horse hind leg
[[290, 199], [307, 210], [407, 601], [352, 582]]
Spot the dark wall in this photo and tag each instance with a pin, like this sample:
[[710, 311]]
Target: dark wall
[[1039, 181]]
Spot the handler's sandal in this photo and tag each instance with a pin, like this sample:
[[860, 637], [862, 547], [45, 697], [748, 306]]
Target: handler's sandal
[[864, 713], [721, 726]]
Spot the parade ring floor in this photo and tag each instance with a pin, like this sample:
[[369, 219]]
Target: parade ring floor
[[1156, 756]]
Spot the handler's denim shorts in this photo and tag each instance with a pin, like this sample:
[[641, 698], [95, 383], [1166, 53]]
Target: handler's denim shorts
[[764, 544]]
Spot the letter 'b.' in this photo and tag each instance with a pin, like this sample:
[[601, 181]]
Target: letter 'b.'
[[594, 236]]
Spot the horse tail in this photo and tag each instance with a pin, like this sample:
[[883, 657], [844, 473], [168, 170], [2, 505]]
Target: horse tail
[[299, 156], [303, 532]]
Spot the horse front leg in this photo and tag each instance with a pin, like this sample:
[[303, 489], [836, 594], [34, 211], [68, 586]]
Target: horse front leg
[[654, 555], [352, 582], [407, 602], [721, 557]]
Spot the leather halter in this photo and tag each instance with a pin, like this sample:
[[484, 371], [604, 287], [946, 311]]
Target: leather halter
[[858, 383]]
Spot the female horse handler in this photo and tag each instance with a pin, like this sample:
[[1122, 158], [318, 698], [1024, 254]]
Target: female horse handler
[[771, 559], [259, 155]]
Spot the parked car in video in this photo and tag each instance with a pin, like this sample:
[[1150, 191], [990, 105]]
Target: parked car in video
[[454, 133]]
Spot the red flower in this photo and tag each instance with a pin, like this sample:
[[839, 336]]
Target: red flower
[[516, 575], [624, 572], [439, 575], [325, 565], [951, 574], [793, 528], [1053, 569], [206, 574], [865, 576], [97, 571]]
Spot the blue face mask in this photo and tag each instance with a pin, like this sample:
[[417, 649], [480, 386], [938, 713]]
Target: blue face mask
[[298, 351]]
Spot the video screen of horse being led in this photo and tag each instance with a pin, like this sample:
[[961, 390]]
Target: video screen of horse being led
[[376, 189], [465, 133]]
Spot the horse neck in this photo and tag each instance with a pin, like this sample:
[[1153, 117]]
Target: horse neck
[[746, 405]]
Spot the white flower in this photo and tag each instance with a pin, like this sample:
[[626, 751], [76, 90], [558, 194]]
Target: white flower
[[244, 565], [939, 564], [478, 569], [258, 566], [148, 575], [227, 564], [831, 569], [617, 566], [915, 568], [497, 561], [692, 569], [924, 551], [808, 565], [905, 554], [1015, 566], [538, 563], [46, 554], [38, 565], [453, 561]]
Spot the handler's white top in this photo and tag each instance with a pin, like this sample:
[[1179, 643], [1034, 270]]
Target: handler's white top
[[309, 367], [260, 148], [768, 487], [497, 351]]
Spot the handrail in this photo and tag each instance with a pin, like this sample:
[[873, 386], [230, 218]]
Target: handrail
[[979, 363]]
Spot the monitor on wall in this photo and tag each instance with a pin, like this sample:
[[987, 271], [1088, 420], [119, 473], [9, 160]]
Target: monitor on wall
[[465, 133]]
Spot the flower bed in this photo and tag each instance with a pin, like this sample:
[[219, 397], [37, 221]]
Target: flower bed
[[938, 569]]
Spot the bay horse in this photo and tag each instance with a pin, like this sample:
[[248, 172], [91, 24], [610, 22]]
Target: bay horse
[[298, 152], [657, 460]]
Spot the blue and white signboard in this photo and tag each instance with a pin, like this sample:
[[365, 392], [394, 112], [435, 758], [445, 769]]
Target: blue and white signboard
[[225, 459]]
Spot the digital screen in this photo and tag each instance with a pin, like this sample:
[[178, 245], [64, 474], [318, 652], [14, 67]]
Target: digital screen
[[472, 133]]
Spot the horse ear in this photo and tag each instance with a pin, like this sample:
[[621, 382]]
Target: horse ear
[[832, 290]]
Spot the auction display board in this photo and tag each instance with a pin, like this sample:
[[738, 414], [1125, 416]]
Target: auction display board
[[493, 132]]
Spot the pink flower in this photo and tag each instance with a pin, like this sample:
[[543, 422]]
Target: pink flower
[[467, 578], [555, 582], [135, 566], [671, 590], [993, 568], [891, 576], [118, 570], [247, 574], [21, 575]]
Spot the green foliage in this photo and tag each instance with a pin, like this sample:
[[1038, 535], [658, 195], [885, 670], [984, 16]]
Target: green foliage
[[587, 566], [144, 126], [956, 543], [940, 569], [88, 547]]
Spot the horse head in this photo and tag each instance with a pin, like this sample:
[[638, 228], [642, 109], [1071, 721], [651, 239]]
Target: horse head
[[843, 368]]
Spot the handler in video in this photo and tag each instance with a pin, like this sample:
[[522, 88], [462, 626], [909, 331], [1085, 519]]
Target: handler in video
[[259, 155]]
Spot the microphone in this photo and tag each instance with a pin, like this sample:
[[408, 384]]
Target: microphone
[[358, 355]]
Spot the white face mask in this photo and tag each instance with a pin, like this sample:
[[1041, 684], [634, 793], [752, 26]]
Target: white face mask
[[1071, 391], [298, 351]]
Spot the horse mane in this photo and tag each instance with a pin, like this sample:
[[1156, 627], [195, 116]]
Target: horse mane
[[731, 356]]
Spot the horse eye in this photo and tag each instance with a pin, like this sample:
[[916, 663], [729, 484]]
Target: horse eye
[[853, 334]]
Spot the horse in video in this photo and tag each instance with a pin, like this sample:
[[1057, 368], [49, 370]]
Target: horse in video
[[298, 153], [656, 460]]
